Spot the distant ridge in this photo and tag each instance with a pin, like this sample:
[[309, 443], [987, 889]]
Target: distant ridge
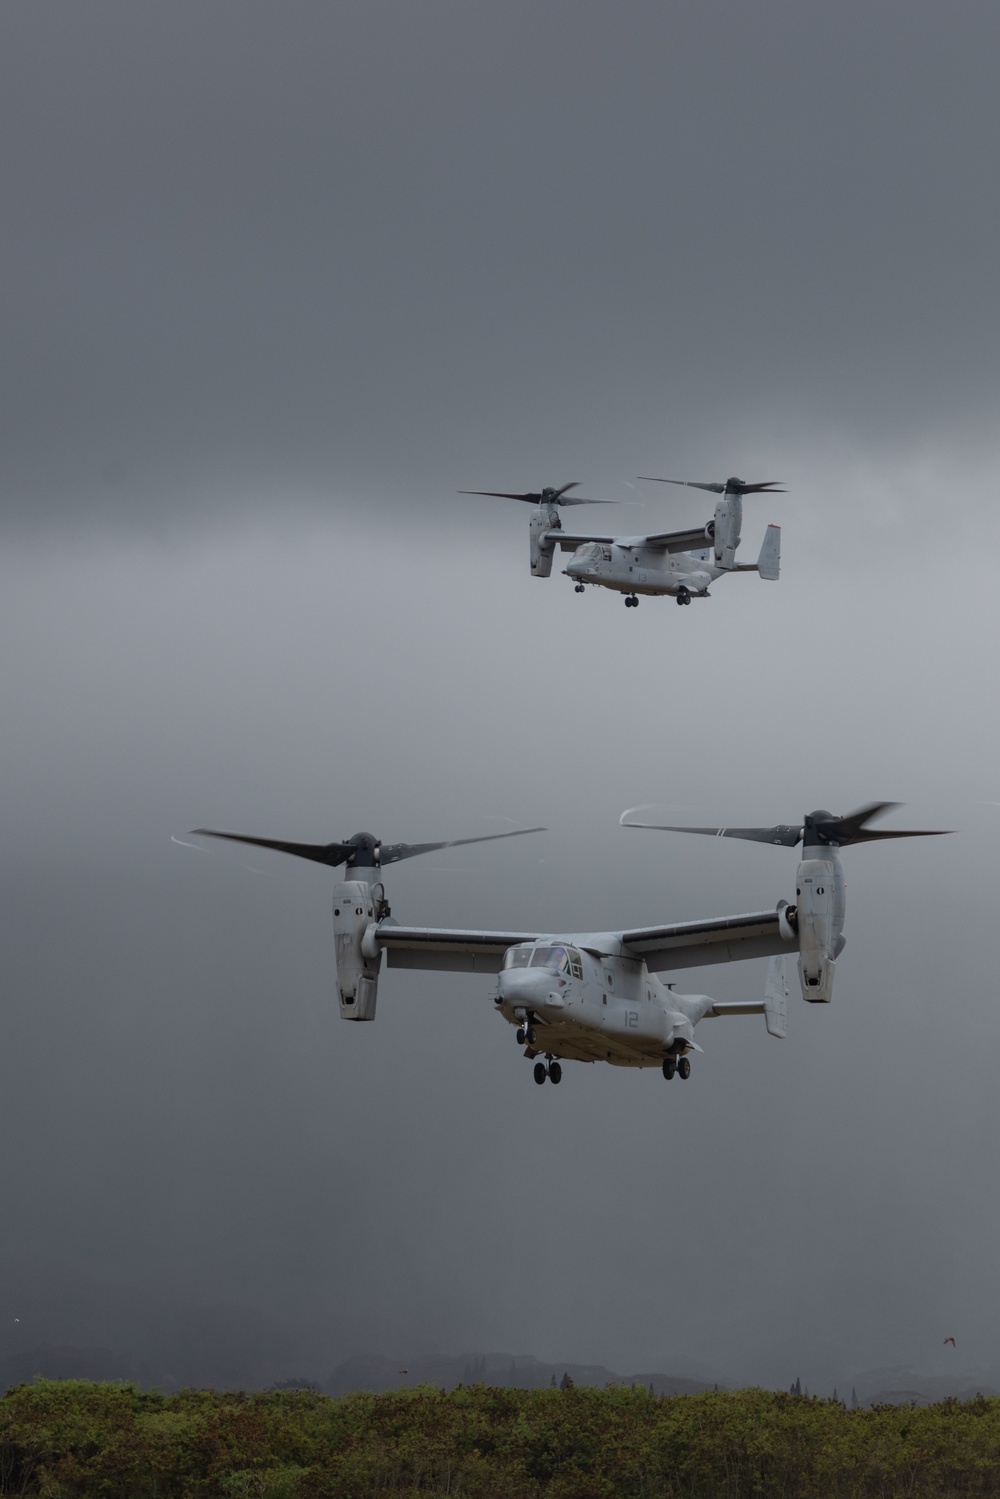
[[378, 1374]]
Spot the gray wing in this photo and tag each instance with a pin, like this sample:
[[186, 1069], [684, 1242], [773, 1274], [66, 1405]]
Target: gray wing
[[446, 950], [667, 541], [568, 543], [678, 541], [694, 944]]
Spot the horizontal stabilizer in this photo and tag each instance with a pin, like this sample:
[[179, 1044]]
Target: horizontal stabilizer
[[769, 561], [773, 1007]]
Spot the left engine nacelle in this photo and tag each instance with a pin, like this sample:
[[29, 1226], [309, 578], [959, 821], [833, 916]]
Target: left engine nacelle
[[358, 957]]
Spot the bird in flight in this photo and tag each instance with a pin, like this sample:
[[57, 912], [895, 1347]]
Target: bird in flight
[[951, 1341]]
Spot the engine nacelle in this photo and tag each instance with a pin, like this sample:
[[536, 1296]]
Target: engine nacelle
[[727, 527], [541, 549], [816, 903], [358, 956]]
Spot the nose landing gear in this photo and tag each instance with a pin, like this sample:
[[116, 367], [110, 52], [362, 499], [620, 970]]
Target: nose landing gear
[[525, 1034], [578, 588], [683, 596], [631, 602]]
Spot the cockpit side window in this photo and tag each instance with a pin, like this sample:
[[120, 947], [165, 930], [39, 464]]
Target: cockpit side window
[[550, 957], [517, 957], [575, 962]]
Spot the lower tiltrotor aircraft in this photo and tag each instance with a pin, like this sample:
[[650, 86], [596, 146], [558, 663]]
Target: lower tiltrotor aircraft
[[679, 563], [598, 996]]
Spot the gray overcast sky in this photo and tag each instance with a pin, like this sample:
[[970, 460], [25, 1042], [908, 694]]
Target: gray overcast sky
[[278, 281]]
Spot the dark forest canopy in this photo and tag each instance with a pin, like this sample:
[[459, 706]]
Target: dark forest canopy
[[73, 1438]]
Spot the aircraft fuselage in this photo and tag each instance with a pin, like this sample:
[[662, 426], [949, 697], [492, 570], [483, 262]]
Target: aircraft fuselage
[[586, 1007], [632, 568]]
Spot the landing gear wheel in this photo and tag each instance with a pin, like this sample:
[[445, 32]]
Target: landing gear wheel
[[540, 1072], [521, 1037], [669, 1067], [683, 597], [555, 1072], [578, 588], [529, 1036], [683, 1067]]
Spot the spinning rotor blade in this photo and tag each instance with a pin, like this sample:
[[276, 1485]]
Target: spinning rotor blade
[[851, 829], [782, 834], [362, 848], [731, 486], [538, 497], [320, 853], [393, 852], [819, 827]]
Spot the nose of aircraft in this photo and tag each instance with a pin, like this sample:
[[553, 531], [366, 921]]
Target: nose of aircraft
[[530, 987]]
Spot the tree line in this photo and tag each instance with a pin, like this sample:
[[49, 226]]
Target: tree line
[[67, 1440]]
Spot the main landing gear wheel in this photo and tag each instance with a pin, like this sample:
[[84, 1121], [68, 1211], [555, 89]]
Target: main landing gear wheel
[[669, 1067], [555, 1072], [540, 1072], [684, 1067], [631, 602], [683, 597], [578, 588]]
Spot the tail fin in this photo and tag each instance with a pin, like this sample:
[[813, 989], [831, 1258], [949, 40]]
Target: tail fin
[[768, 562], [776, 998], [774, 1005]]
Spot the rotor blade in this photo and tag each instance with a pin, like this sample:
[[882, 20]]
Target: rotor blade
[[771, 487], [579, 500], [855, 821], [320, 853], [504, 494], [852, 828], [558, 493], [687, 483], [869, 835], [391, 853], [782, 834]]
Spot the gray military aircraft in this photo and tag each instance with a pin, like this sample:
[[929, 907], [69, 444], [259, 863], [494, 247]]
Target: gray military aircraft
[[598, 996], [678, 563]]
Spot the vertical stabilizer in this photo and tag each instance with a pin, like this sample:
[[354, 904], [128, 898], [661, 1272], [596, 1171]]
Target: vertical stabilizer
[[776, 998], [769, 561]]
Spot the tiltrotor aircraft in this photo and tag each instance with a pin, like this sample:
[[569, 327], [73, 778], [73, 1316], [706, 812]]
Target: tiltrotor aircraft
[[598, 996], [679, 563]]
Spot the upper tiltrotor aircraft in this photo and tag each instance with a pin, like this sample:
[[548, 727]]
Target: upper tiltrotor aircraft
[[679, 563], [598, 996]]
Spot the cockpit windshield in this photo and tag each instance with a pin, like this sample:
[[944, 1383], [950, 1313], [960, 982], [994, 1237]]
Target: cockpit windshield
[[550, 957], [517, 957], [594, 551]]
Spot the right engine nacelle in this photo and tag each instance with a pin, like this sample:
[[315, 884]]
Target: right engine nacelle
[[358, 960], [541, 550], [816, 904], [727, 527]]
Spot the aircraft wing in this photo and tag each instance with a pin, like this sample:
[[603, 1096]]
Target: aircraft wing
[[694, 944], [666, 541], [569, 543], [446, 950], [678, 541]]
